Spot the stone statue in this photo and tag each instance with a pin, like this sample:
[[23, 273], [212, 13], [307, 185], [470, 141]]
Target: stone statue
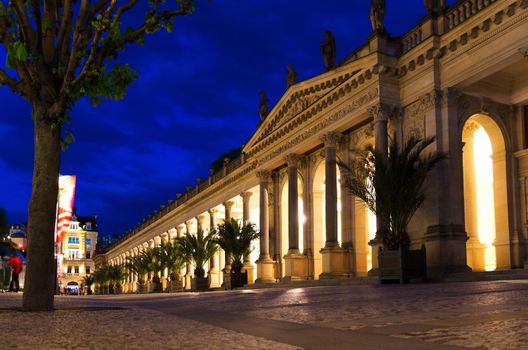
[[291, 76], [263, 108], [328, 48], [435, 7], [377, 13]]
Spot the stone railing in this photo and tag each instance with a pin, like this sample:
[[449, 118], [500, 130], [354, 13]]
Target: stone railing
[[412, 39], [228, 168], [463, 10]]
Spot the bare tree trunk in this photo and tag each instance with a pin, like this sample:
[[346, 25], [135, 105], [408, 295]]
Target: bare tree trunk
[[39, 284]]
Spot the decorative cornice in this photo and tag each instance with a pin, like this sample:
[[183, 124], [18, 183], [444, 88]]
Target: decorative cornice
[[524, 51]]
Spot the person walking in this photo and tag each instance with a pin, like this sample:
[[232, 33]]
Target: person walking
[[16, 265]]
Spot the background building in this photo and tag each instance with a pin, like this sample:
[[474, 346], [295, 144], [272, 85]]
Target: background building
[[78, 249], [18, 235]]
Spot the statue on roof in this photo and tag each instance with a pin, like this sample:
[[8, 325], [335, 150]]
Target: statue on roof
[[435, 7], [377, 13], [291, 76], [263, 108], [328, 48]]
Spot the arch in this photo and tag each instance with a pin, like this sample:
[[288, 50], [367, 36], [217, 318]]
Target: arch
[[486, 204]]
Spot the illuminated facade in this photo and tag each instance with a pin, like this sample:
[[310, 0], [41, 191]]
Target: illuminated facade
[[461, 76], [78, 249]]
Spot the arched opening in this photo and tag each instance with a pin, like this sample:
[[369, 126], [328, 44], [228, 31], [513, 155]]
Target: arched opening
[[284, 219], [485, 194], [319, 216]]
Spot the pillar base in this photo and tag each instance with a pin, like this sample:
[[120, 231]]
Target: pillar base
[[295, 266], [247, 267], [214, 278], [188, 277], [475, 255], [335, 262], [446, 250], [265, 270]]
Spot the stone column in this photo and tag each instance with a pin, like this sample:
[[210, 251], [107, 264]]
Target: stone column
[[179, 233], [247, 266], [214, 263], [228, 205], [296, 264], [265, 264], [188, 268], [333, 254], [475, 249]]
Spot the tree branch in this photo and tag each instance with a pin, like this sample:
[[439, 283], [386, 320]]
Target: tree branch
[[27, 31], [5, 79]]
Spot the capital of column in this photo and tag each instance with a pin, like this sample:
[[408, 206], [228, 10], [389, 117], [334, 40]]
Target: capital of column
[[179, 230], [331, 139], [264, 175], [380, 112], [292, 159], [188, 225], [228, 205], [212, 211], [246, 196], [200, 220]]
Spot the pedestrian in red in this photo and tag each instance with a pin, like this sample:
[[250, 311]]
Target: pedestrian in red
[[16, 265]]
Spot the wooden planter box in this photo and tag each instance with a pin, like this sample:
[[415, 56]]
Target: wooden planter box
[[142, 288], [402, 265], [238, 279], [199, 284]]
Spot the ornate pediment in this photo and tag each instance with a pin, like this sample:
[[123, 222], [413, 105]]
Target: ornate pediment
[[297, 100]]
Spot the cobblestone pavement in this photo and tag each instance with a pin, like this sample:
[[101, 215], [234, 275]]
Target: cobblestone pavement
[[476, 315]]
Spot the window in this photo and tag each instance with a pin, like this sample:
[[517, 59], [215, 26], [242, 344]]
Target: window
[[87, 270], [88, 226], [73, 253], [88, 241], [69, 270], [74, 226], [88, 255], [77, 269], [73, 240]]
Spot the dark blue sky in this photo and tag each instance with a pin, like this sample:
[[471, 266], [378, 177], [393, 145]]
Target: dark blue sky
[[196, 97]]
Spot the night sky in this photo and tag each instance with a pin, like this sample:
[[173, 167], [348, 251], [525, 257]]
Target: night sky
[[196, 97]]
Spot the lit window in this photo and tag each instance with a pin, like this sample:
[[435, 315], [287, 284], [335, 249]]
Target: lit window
[[77, 269], [88, 241], [73, 253], [87, 270], [88, 226], [69, 270]]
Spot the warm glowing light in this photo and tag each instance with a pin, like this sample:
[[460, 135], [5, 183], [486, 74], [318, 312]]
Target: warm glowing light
[[485, 199]]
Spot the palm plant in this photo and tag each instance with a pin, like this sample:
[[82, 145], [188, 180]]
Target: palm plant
[[172, 259], [139, 265], [88, 281], [101, 278], [235, 239], [116, 274], [392, 186], [197, 249]]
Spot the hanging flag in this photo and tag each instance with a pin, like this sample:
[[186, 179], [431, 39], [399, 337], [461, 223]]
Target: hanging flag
[[65, 205]]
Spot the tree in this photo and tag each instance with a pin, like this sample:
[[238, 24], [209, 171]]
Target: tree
[[138, 265], [197, 249], [393, 186], [4, 227], [172, 259], [235, 239], [88, 281], [115, 274], [57, 53]]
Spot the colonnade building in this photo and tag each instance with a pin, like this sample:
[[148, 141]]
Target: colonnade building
[[460, 75]]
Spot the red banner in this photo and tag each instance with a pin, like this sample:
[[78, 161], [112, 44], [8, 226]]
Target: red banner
[[65, 205]]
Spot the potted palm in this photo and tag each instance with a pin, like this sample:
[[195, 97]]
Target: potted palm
[[116, 274], [88, 281], [235, 239], [138, 265], [173, 261], [156, 268], [197, 249], [101, 280], [392, 187]]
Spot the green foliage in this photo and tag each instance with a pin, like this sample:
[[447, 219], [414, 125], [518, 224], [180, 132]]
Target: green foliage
[[172, 259], [392, 187], [88, 280], [138, 264], [197, 249], [16, 53], [235, 239]]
